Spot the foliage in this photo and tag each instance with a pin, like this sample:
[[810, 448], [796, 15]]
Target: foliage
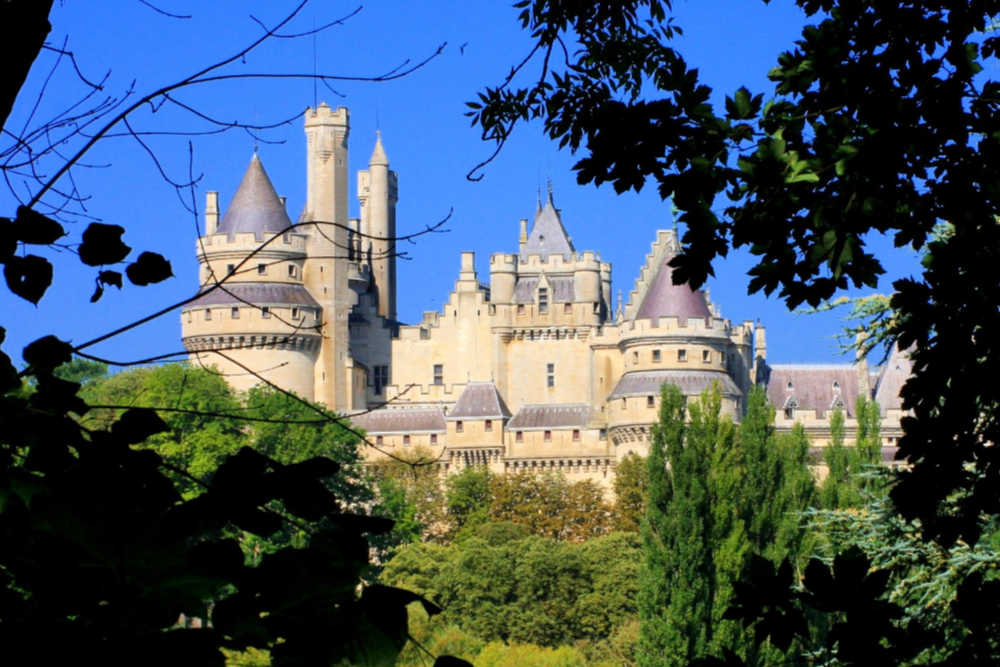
[[838, 489], [416, 474], [882, 119], [550, 506], [468, 497], [199, 437], [498, 654], [631, 484], [101, 553], [523, 588]]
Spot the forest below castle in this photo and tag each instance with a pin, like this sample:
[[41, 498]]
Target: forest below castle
[[533, 569]]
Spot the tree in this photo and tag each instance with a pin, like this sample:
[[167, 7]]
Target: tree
[[468, 497], [882, 119], [838, 490], [103, 548], [550, 506], [631, 486]]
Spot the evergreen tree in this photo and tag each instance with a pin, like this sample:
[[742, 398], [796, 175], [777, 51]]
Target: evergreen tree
[[836, 492], [868, 446], [658, 532], [693, 536]]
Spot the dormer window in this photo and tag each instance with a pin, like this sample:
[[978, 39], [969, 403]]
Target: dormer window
[[789, 387], [543, 300]]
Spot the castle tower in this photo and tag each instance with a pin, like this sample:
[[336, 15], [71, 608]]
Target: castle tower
[[255, 321], [378, 192], [325, 272]]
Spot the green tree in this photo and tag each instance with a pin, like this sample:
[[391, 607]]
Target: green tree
[[837, 491], [197, 403], [550, 506], [417, 475], [630, 486], [468, 497], [659, 531]]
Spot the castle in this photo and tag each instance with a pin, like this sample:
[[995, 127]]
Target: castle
[[534, 370]]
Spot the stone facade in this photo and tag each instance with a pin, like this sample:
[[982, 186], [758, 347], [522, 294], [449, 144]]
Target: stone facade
[[532, 369]]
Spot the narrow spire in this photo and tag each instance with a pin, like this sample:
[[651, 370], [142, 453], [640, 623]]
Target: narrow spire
[[378, 155]]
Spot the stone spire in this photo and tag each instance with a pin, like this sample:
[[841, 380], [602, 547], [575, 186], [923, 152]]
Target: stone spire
[[256, 207], [378, 155]]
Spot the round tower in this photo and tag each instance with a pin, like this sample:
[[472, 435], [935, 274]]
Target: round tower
[[254, 319]]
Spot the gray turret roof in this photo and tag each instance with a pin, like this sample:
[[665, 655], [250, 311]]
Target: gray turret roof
[[404, 420], [548, 236], [255, 207], [258, 294], [564, 415], [665, 299], [691, 383]]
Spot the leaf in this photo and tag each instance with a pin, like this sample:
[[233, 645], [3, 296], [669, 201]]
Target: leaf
[[28, 277], [137, 424], [8, 244], [106, 278], [44, 354], [450, 661], [150, 267], [102, 244], [33, 227]]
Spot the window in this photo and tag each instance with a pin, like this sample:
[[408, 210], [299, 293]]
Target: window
[[550, 375], [520, 309], [235, 313], [381, 378], [706, 356], [488, 426], [789, 413], [406, 439], [603, 434], [635, 356], [291, 271], [656, 356], [543, 300], [425, 334], [434, 438], [230, 268], [265, 312], [624, 402], [459, 427], [548, 436], [568, 308], [208, 313], [261, 269], [650, 401], [682, 355], [378, 440], [576, 434], [295, 313], [518, 436], [189, 317], [438, 373]]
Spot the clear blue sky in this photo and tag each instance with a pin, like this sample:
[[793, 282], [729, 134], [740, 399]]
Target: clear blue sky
[[427, 138]]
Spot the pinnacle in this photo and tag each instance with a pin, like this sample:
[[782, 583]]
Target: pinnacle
[[378, 155]]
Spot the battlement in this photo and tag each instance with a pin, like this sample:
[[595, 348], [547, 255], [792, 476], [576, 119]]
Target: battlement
[[287, 242], [665, 245], [715, 327], [324, 114]]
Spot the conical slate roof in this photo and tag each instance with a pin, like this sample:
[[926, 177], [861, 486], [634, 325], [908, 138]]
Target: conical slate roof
[[255, 207], [665, 299], [548, 237]]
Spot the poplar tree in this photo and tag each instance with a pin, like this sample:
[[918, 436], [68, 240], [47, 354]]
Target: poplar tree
[[658, 532], [836, 492]]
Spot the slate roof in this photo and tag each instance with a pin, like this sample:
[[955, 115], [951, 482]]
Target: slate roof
[[259, 294], [691, 383], [897, 369], [811, 386], [548, 236], [255, 207], [401, 420], [479, 400], [665, 299], [565, 415], [563, 289]]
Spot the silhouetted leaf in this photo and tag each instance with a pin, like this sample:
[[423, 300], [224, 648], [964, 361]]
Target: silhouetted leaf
[[137, 424], [8, 243], [450, 661], [150, 267], [33, 227], [102, 244], [110, 278], [28, 277], [46, 353]]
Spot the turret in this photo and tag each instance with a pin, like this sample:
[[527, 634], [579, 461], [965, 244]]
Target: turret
[[211, 212], [378, 192], [325, 272]]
